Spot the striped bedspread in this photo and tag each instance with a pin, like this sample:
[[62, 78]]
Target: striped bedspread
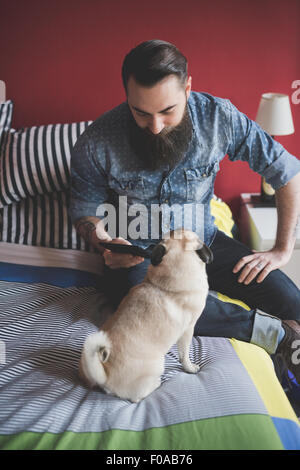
[[234, 402]]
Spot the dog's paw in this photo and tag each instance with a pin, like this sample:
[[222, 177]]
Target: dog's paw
[[191, 368]]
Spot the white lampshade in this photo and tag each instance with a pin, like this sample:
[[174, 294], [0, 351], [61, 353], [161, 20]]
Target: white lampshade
[[2, 91], [274, 114]]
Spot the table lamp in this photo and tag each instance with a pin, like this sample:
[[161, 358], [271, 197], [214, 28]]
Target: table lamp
[[2, 91], [275, 117]]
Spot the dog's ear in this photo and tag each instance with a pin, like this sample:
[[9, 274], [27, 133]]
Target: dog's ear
[[205, 254], [157, 254]]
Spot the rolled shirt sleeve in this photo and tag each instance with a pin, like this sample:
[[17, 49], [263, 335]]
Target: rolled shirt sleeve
[[88, 186], [266, 156]]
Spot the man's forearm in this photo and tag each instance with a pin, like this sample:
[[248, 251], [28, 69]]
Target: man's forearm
[[86, 227], [288, 209]]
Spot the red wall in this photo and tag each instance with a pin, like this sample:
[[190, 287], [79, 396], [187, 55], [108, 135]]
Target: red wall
[[61, 59]]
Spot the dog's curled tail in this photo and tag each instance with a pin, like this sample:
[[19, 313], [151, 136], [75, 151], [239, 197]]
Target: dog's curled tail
[[96, 350]]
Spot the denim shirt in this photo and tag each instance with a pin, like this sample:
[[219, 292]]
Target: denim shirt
[[106, 174]]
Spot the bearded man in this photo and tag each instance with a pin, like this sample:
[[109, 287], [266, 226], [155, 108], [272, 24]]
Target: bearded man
[[162, 147]]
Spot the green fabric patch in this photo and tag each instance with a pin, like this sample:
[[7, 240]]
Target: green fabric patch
[[238, 432]]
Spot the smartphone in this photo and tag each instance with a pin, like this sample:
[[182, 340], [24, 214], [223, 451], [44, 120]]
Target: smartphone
[[127, 249]]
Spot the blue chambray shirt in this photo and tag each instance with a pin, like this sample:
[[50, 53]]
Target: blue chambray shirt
[[106, 174]]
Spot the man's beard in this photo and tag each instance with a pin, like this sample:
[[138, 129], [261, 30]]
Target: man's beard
[[166, 148]]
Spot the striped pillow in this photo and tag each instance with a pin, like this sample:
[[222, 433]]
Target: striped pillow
[[36, 160], [6, 110], [41, 221]]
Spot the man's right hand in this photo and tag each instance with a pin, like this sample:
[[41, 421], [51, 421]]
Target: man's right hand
[[92, 230], [114, 260], [117, 260]]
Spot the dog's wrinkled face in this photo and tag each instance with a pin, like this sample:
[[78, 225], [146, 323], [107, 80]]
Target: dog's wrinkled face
[[187, 241]]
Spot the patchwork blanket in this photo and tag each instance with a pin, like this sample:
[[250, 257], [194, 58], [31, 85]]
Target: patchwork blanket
[[234, 402]]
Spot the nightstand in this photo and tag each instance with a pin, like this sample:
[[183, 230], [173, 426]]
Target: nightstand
[[258, 227]]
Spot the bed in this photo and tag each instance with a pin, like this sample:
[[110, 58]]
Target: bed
[[51, 298]]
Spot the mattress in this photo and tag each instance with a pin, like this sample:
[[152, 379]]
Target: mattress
[[50, 301]]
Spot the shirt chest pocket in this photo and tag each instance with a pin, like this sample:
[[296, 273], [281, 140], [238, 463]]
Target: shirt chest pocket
[[135, 188], [199, 181]]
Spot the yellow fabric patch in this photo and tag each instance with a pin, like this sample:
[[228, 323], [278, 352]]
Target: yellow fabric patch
[[223, 216], [260, 368], [224, 298]]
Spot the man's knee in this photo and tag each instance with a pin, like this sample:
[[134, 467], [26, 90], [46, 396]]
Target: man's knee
[[284, 296]]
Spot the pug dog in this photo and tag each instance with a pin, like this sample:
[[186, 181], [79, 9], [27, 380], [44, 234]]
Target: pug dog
[[126, 357]]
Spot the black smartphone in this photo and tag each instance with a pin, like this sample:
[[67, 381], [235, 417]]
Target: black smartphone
[[127, 249]]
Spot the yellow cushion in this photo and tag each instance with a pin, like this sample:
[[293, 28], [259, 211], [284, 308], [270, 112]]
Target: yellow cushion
[[223, 216], [224, 221]]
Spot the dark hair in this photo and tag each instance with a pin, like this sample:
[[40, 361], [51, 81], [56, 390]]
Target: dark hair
[[151, 61]]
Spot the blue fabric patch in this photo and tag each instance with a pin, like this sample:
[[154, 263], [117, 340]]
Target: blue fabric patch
[[61, 277], [289, 433]]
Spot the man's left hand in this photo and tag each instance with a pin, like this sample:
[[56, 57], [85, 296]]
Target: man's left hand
[[260, 264]]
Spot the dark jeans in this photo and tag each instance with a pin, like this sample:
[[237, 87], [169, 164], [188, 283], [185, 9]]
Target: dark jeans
[[277, 295]]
